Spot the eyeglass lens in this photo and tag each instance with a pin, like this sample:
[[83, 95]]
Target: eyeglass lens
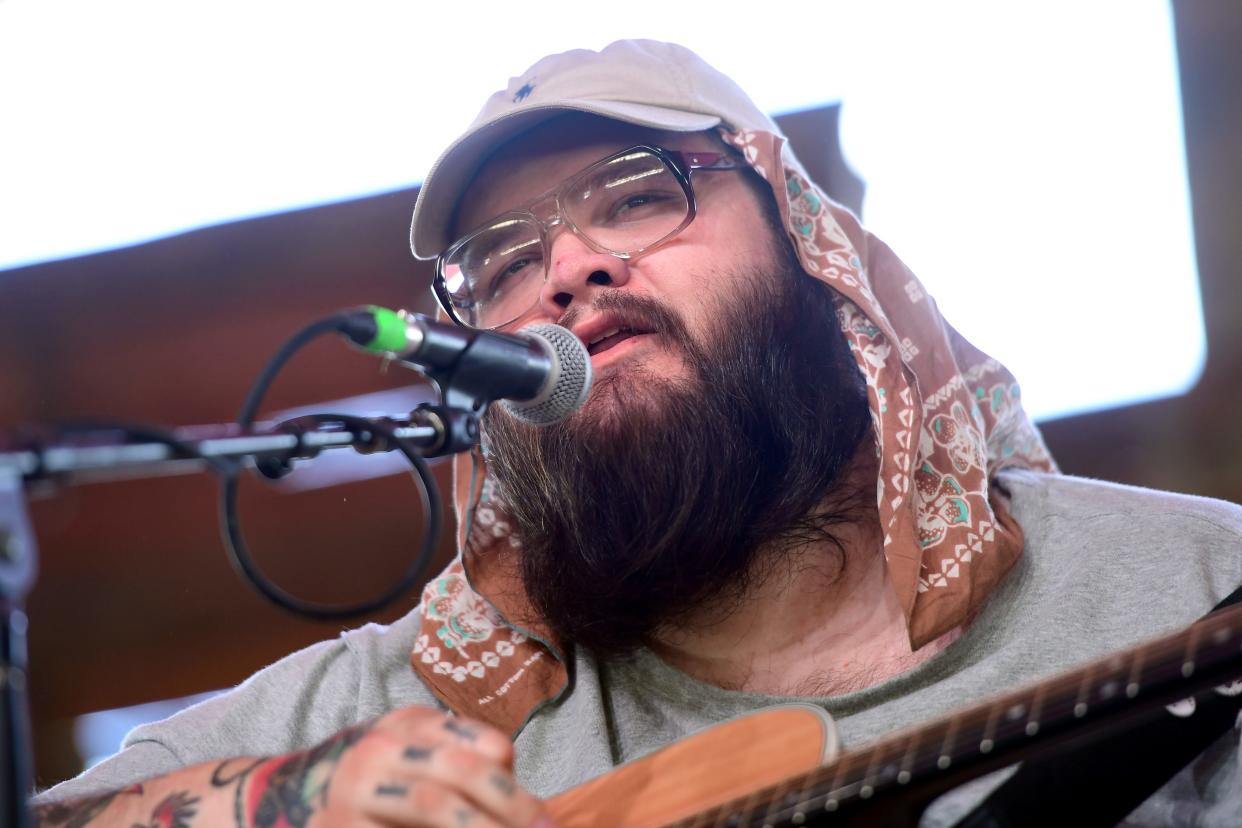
[[622, 205]]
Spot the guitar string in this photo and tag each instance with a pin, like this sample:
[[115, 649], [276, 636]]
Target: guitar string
[[1058, 710], [779, 791], [1006, 728], [842, 788]]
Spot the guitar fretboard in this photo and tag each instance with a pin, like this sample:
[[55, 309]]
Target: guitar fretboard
[[1000, 732]]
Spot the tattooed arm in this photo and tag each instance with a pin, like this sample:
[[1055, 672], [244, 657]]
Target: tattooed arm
[[413, 767]]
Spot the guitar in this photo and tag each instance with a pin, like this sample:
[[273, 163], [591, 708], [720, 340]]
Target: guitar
[[782, 766]]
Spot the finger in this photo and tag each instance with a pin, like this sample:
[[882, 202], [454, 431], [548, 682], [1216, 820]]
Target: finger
[[433, 732], [427, 802], [484, 783]]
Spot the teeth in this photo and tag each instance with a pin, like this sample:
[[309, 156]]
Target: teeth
[[605, 335]]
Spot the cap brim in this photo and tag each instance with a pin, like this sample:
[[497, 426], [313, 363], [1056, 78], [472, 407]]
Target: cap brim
[[449, 176]]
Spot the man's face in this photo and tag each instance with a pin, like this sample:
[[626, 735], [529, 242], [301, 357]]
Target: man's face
[[692, 274], [714, 436]]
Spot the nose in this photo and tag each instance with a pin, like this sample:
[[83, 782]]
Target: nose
[[575, 270]]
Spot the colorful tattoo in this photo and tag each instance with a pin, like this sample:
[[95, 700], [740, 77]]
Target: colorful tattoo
[[72, 814], [284, 792], [174, 811], [233, 770], [77, 813]]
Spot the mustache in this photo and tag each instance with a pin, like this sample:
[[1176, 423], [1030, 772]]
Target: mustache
[[638, 312]]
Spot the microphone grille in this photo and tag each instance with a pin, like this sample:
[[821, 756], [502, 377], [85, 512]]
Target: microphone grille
[[568, 383]]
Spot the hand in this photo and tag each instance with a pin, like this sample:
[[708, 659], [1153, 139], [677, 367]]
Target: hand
[[413, 767]]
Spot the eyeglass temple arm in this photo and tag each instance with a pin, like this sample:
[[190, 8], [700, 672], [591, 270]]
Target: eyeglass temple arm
[[706, 160]]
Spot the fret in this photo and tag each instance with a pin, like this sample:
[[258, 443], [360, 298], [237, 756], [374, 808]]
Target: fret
[[1010, 724], [987, 740], [1016, 712], [1084, 692], [800, 813], [1136, 672], [836, 790], [797, 809], [867, 787], [945, 756], [880, 769], [1109, 690], [765, 807], [734, 819], [907, 762], [794, 805], [806, 810], [740, 817], [1036, 710], [778, 798], [766, 820], [1192, 648]]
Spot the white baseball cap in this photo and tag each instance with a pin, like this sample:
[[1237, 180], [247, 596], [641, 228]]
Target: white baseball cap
[[643, 82]]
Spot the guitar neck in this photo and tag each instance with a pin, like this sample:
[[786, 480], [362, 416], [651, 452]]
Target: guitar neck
[[922, 762]]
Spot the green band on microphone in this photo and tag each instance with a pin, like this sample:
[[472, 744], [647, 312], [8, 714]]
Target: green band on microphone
[[389, 331]]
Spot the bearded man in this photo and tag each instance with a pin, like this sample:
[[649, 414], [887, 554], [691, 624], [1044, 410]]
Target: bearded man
[[793, 481]]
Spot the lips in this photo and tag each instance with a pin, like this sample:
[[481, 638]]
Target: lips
[[609, 330], [610, 338]]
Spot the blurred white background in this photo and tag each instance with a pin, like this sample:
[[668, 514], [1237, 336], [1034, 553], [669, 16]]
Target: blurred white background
[[1025, 160]]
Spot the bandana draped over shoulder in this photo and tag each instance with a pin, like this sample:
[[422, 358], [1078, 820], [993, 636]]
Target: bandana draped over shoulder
[[946, 418]]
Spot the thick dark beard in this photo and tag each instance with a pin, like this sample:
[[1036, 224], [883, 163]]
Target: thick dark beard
[[664, 498]]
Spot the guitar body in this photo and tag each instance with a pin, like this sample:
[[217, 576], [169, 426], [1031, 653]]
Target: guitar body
[[703, 771]]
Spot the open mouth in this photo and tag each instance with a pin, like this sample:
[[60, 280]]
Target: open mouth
[[611, 338]]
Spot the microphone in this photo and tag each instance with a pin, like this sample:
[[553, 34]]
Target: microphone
[[541, 375]]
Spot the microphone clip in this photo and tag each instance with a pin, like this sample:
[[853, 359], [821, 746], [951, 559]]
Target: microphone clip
[[457, 428], [464, 399]]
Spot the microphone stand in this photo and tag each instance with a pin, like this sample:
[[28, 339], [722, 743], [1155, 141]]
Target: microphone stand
[[17, 574], [106, 454]]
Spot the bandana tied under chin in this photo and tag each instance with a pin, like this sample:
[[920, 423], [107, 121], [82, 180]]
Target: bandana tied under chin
[[946, 418]]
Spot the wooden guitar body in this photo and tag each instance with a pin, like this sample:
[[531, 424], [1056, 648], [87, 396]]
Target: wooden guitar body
[[703, 771]]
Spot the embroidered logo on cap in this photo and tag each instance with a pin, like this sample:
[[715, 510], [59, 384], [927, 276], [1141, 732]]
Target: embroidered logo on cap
[[524, 92]]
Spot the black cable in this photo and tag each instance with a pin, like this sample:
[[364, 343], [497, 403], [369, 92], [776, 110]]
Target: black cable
[[360, 327], [343, 322], [364, 430]]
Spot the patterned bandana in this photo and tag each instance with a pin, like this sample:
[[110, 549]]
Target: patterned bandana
[[946, 418]]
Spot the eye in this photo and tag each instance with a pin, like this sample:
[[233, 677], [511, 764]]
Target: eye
[[513, 272], [634, 206]]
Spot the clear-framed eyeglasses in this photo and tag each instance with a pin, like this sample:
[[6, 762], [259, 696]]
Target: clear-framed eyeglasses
[[625, 205]]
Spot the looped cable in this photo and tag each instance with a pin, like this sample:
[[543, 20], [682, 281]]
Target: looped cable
[[239, 553]]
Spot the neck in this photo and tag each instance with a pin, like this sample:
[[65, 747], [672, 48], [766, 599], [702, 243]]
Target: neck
[[824, 620]]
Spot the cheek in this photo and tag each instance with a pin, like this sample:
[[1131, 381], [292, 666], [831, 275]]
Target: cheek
[[713, 293]]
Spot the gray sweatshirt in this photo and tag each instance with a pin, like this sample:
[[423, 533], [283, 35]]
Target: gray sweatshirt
[[1105, 567]]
